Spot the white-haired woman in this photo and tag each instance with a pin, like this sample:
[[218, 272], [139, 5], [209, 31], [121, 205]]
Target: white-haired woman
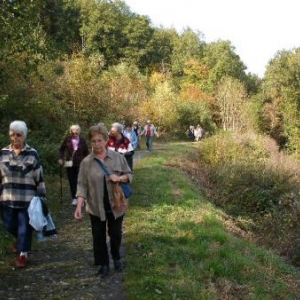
[[21, 180], [73, 149], [120, 143]]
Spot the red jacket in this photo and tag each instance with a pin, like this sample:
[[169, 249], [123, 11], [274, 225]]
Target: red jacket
[[122, 146]]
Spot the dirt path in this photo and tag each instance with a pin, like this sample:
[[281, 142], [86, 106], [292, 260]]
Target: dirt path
[[62, 267]]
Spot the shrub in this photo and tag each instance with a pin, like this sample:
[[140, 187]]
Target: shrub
[[246, 172]]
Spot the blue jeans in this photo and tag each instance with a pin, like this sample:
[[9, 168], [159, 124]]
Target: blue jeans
[[16, 221], [149, 142]]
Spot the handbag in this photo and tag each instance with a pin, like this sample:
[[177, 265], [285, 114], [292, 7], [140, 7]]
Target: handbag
[[69, 163], [126, 189], [120, 202]]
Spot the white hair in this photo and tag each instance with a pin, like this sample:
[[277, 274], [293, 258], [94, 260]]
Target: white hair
[[18, 126], [118, 126], [75, 127]]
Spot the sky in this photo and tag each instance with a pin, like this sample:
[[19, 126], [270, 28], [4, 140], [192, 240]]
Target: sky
[[257, 29]]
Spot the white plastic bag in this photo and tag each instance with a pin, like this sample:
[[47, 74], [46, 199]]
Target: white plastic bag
[[36, 217]]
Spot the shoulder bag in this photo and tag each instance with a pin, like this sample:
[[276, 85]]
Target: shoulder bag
[[69, 163], [121, 190]]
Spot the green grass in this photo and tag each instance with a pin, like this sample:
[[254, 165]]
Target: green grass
[[178, 247]]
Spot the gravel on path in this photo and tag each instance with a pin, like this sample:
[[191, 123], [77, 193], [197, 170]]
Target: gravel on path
[[62, 267]]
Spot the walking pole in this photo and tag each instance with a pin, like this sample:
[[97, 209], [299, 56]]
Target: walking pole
[[61, 191]]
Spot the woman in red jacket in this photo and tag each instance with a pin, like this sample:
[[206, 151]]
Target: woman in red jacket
[[119, 143]]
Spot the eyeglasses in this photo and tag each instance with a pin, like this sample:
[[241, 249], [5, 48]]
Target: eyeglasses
[[16, 134], [96, 141], [75, 133]]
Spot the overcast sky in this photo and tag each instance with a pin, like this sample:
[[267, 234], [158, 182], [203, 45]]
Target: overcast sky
[[258, 29]]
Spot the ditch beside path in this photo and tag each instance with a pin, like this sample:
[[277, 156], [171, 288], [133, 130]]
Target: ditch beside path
[[62, 267]]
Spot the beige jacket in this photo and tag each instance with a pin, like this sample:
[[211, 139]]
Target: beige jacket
[[90, 182]]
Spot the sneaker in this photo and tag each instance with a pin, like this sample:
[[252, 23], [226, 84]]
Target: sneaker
[[103, 271], [119, 267], [22, 261], [74, 202]]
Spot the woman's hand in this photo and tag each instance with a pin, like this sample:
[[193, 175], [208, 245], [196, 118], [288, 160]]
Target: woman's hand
[[114, 178], [78, 211], [118, 178]]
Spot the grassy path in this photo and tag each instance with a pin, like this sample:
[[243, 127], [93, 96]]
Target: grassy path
[[178, 246], [61, 267]]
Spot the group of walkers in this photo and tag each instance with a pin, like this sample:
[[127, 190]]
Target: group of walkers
[[90, 187], [195, 133]]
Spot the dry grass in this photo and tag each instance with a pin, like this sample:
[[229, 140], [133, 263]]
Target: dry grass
[[277, 226]]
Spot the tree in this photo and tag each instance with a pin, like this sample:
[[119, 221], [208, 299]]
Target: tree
[[222, 62], [186, 46], [23, 41], [20, 29], [197, 73], [81, 88], [61, 23], [126, 89], [282, 90], [159, 51], [138, 33], [230, 96], [195, 107], [110, 28]]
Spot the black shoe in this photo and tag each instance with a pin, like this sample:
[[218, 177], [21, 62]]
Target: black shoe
[[103, 271], [119, 267]]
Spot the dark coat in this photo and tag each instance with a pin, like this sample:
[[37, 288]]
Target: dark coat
[[66, 151]]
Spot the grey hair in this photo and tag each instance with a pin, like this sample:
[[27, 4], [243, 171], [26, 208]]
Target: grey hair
[[75, 127], [98, 129], [18, 126], [118, 126]]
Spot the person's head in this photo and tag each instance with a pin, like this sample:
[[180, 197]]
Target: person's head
[[148, 122], [116, 130], [98, 137], [18, 133], [75, 130], [128, 127], [135, 123]]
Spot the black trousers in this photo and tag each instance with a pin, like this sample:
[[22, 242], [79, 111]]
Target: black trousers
[[114, 230], [129, 159], [72, 178]]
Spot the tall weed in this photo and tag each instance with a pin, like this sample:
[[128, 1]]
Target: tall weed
[[248, 177]]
